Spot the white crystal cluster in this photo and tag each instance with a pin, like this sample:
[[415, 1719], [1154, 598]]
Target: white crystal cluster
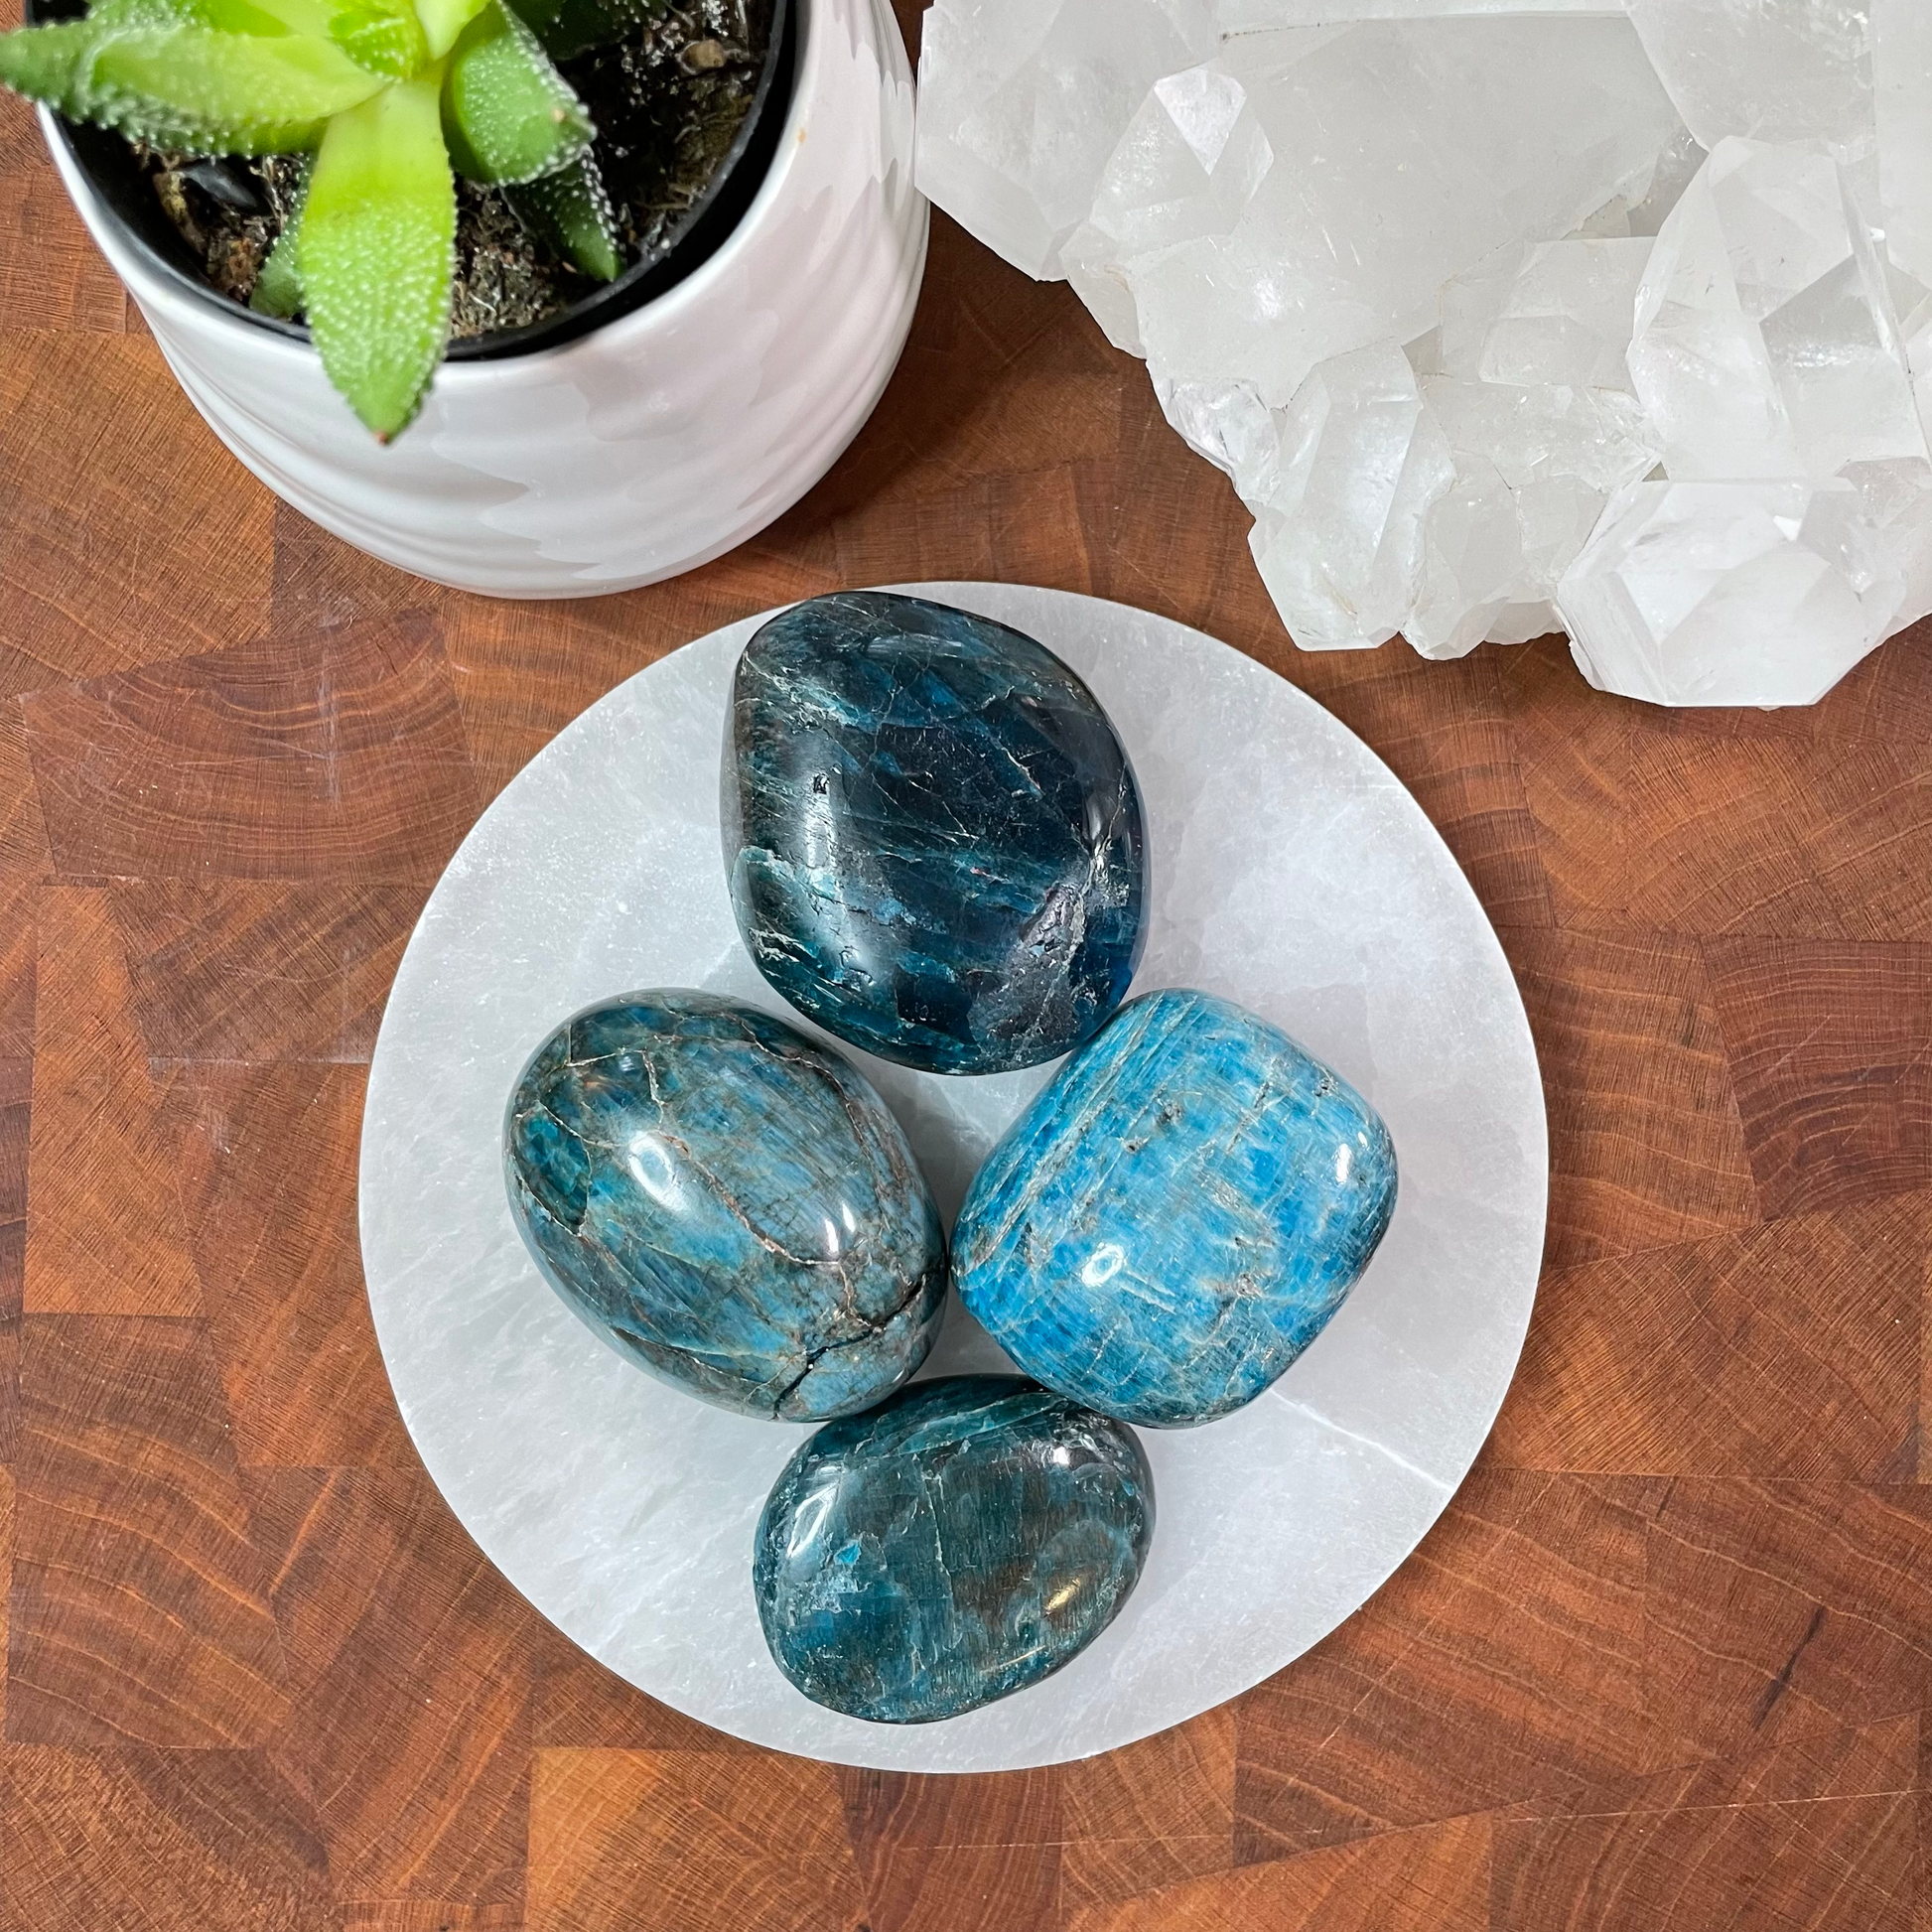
[[1502, 318]]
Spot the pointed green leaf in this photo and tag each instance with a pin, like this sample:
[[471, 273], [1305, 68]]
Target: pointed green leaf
[[570, 214], [384, 39], [278, 288], [443, 20], [53, 62], [222, 93], [567, 26], [377, 251], [509, 115], [49, 64], [56, 62]]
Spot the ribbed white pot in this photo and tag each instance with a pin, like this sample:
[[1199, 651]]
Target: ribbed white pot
[[650, 446]]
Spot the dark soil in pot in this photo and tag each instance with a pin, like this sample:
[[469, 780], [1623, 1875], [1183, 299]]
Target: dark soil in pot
[[687, 108]]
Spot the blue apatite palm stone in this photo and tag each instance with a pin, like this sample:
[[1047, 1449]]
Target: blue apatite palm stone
[[1176, 1215], [961, 1542], [932, 834], [727, 1203]]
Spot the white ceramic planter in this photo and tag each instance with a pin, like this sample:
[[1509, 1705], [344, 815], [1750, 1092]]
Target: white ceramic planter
[[650, 446]]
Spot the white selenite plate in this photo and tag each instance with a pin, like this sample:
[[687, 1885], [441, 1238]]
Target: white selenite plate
[[1292, 872]]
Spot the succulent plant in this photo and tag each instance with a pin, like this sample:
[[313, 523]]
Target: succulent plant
[[393, 99]]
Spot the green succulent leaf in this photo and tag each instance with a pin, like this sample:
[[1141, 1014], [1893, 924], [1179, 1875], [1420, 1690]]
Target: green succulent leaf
[[222, 93], [509, 115], [443, 20], [112, 15], [567, 26], [384, 39], [263, 18], [51, 64], [570, 214], [377, 251], [278, 288]]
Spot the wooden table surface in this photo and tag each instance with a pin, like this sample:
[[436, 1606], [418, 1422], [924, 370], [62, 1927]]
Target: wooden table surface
[[1661, 1665]]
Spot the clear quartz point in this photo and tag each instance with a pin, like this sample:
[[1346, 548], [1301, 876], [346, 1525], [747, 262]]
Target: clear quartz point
[[1663, 270]]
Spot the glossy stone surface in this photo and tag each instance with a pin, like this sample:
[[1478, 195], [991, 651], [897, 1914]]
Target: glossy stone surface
[[625, 1512], [727, 1203], [1178, 1216], [932, 834], [961, 1542]]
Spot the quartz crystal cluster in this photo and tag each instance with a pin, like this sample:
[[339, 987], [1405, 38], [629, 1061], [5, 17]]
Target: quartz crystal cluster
[[1502, 318]]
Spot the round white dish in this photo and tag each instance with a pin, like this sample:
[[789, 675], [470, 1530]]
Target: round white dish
[[658, 440], [1291, 871]]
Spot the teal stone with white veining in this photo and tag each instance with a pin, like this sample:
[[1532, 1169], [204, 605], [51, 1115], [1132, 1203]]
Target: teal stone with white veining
[[727, 1203], [1178, 1213], [964, 1540], [932, 834]]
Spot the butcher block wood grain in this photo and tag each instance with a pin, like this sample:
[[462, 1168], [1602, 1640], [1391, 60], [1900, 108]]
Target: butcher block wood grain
[[1665, 1664]]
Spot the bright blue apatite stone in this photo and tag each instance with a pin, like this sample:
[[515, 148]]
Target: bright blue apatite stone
[[727, 1203], [932, 835], [961, 1542], [1176, 1215]]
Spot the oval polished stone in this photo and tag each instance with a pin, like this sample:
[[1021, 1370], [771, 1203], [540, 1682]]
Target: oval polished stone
[[932, 834], [1178, 1213], [959, 1543], [727, 1202]]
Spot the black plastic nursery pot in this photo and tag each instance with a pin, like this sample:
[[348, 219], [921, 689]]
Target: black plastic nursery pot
[[128, 192]]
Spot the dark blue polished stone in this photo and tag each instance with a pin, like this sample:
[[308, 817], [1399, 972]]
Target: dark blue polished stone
[[727, 1203], [961, 1542], [1177, 1214], [932, 835]]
